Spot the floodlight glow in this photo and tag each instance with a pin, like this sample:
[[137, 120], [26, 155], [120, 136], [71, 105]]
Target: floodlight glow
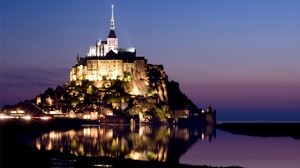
[[5, 117], [28, 117], [44, 118]]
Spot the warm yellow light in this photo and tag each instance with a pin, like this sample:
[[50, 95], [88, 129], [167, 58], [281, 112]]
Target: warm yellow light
[[136, 156], [109, 113], [49, 146], [90, 89], [20, 111], [109, 134], [28, 117], [72, 115], [44, 118], [202, 136], [87, 116], [3, 116], [86, 132], [53, 135], [94, 132], [102, 165], [38, 144], [136, 91]]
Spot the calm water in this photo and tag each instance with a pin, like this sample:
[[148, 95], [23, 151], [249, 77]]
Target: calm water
[[190, 146], [247, 151]]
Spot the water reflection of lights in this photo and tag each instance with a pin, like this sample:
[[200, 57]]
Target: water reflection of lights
[[49, 146], [101, 131], [81, 149], [38, 144], [55, 135], [182, 134], [141, 131], [137, 155], [146, 129], [143, 143], [72, 133], [115, 142], [102, 165], [132, 127], [91, 132], [162, 154], [202, 136], [86, 132], [94, 132], [109, 134]]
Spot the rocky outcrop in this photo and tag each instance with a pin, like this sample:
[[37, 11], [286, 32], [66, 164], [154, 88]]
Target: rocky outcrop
[[147, 96]]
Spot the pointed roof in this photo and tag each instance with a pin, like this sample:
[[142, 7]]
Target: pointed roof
[[111, 54], [112, 34]]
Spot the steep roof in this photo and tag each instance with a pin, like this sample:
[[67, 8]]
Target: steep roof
[[112, 34]]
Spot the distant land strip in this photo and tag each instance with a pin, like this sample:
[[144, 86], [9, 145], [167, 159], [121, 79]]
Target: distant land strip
[[261, 129]]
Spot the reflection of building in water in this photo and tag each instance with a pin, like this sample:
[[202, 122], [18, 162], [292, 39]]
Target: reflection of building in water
[[208, 133], [142, 143], [182, 133]]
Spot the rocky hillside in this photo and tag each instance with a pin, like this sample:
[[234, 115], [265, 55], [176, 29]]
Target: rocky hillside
[[152, 99]]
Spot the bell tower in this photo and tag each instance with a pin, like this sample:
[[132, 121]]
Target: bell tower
[[112, 40]]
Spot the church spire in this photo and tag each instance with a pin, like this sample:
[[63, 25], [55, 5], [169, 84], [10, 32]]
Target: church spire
[[112, 21], [112, 26]]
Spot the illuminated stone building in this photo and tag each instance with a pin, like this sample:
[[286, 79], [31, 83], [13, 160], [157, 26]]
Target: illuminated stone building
[[106, 61]]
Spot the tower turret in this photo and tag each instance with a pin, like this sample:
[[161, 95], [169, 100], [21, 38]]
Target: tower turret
[[101, 48], [112, 40], [112, 26]]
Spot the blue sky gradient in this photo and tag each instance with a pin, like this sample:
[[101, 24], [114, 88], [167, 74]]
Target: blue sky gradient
[[241, 57]]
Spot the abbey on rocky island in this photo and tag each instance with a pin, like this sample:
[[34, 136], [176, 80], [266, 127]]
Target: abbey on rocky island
[[106, 61], [147, 84], [113, 84]]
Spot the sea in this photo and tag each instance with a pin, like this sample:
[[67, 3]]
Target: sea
[[205, 145]]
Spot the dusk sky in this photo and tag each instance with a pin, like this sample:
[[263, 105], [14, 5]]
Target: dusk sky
[[242, 57]]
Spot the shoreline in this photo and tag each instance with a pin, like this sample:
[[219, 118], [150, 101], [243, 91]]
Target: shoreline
[[257, 122], [260, 129]]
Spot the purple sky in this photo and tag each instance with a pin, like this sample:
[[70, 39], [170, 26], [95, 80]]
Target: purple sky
[[241, 57]]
